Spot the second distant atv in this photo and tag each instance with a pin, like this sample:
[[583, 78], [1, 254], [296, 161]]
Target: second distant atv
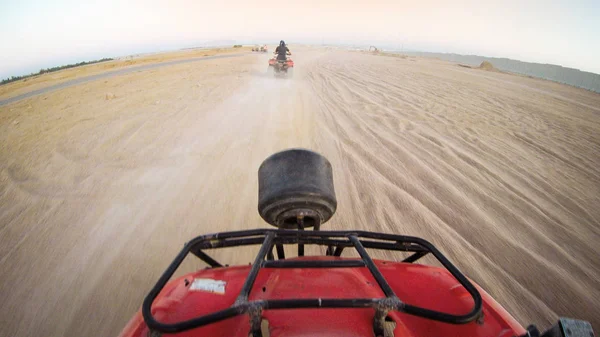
[[262, 49]]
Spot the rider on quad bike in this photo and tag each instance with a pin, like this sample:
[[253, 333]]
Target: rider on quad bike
[[282, 51]]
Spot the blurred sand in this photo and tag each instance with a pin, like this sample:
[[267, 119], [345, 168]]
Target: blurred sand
[[102, 183]]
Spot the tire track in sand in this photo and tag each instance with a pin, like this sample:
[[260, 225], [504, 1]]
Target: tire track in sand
[[540, 233]]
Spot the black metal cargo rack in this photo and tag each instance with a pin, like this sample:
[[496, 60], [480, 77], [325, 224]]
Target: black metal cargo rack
[[336, 242]]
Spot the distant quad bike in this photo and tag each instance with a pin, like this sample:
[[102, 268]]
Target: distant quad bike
[[326, 295], [281, 67], [262, 49]]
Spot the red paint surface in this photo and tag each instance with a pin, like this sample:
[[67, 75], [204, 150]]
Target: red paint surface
[[429, 287], [289, 62]]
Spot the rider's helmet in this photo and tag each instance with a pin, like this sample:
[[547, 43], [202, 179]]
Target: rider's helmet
[[282, 43]]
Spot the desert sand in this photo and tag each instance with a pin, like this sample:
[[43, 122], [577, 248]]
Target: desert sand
[[102, 183], [48, 79]]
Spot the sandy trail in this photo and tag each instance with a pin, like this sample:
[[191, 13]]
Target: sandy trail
[[11, 92], [101, 184]]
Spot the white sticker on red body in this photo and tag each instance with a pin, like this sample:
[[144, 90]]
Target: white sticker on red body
[[208, 285]]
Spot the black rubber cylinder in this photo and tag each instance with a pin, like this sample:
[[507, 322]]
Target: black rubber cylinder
[[296, 183]]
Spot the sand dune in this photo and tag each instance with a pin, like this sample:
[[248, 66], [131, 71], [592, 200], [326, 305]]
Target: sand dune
[[102, 183]]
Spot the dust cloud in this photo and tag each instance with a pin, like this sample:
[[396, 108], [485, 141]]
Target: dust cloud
[[102, 183]]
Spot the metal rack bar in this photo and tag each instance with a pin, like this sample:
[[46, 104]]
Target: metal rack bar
[[313, 264], [260, 257], [387, 290], [339, 239]]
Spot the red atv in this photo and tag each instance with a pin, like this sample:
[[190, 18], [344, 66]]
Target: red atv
[[281, 67], [326, 295]]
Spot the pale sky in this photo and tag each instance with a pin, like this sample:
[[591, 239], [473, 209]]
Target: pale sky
[[38, 34]]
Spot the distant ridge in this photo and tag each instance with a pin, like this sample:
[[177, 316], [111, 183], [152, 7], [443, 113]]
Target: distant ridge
[[570, 76]]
